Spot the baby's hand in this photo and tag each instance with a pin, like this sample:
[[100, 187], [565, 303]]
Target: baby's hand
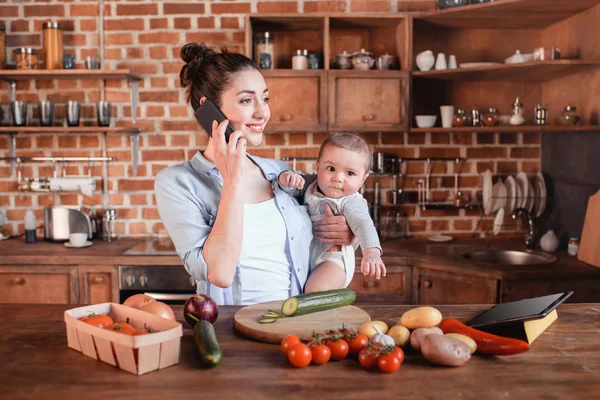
[[291, 179], [372, 264]]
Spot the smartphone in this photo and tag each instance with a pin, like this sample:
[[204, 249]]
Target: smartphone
[[209, 112]]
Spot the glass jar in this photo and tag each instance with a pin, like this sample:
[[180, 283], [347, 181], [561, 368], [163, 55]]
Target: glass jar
[[491, 117], [460, 118], [26, 58], [569, 116], [573, 246], [2, 46], [53, 45], [264, 50], [299, 60]]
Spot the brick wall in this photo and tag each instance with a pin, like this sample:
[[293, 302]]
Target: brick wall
[[146, 36]]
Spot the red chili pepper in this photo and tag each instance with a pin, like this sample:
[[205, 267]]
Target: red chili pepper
[[486, 342]]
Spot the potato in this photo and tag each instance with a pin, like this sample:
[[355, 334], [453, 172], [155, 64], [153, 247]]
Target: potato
[[418, 334], [445, 350], [421, 317], [400, 333], [466, 340], [367, 328]]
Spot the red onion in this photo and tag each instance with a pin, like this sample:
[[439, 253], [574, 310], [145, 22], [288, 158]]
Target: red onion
[[202, 307]]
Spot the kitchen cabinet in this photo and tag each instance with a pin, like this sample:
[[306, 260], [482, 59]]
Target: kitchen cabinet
[[368, 100], [98, 284], [298, 100], [437, 287], [584, 290], [394, 288], [38, 284]]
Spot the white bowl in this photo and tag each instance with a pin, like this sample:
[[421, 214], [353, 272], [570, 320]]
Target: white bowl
[[425, 121], [78, 239]]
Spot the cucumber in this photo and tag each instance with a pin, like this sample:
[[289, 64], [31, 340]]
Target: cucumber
[[207, 344], [317, 301]]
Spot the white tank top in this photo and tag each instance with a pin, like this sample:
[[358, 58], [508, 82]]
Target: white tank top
[[264, 267]]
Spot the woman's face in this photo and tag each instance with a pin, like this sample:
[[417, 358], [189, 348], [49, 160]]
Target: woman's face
[[246, 104]]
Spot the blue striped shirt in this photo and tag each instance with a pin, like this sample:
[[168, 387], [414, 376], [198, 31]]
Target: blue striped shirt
[[188, 196]]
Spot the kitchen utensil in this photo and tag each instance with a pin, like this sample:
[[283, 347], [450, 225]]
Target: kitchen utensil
[[46, 112], [425, 121], [475, 117], [386, 61], [540, 115], [530, 199], [343, 60], [440, 238], [73, 109], [363, 60], [103, 113], [487, 191], [440, 62], [78, 239], [18, 110], [569, 116], [543, 54], [452, 3], [74, 246], [91, 63], [549, 242], [68, 61], [447, 113], [589, 251], [427, 180], [245, 321], [425, 60]]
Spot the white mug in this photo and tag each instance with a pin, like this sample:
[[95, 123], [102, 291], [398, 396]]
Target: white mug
[[440, 62], [78, 239], [452, 62], [447, 115]]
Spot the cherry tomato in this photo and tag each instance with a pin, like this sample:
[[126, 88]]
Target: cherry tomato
[[299, 355], [399, 354], [339, 349], [99, 320], [320, 354], [123, 327], [358, 343], [287, 343], [367, 358], [388, 363]]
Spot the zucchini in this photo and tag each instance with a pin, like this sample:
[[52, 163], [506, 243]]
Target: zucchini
[[207, 344], [317, 301]]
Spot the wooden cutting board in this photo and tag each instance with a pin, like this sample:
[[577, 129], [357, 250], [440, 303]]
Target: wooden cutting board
[[589, 247], [245, 321]]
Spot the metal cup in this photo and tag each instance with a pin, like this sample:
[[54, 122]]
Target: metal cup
[[46, 112], [103, 113], [73, 108], [19, 113], [91, 63]]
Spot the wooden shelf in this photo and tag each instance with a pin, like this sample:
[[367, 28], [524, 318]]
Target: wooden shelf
[[13, 74], [534, 71], [65, 129], [507, 14], [511, 128]]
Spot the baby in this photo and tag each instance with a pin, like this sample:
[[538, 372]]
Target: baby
[[342, 168]]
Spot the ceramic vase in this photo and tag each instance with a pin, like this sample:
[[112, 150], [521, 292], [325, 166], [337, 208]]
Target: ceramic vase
[[549, 242], [425, 60]]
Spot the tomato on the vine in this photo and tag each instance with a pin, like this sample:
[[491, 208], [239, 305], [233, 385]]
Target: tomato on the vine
[[98, 320], [123, 327], [399, 353], [320, 354], [287, 343], [339, 349], [299, 355], [358, 343], [388, 362], [367, 358]]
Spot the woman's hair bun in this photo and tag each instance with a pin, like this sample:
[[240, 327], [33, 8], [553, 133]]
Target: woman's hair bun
[[194, 54]]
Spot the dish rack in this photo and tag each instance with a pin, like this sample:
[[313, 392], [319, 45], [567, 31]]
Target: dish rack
[[135, 354]]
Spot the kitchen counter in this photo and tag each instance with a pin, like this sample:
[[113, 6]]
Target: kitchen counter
[[35, 362], [441, 256]]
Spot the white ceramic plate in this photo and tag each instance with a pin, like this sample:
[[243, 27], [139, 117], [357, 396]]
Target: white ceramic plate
[[541, 194], [531, 199], [498, 221], [487, 192], [511, 195], [523, 184], [440, 238], [86, 244], [477, 64], [498, 195]]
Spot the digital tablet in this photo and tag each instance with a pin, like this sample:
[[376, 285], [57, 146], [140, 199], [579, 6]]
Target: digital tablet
[[519, 311]]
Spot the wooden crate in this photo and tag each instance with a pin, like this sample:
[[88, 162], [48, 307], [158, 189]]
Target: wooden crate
[[135, 354]]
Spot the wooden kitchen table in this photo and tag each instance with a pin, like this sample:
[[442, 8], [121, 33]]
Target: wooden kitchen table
[[35, 363]]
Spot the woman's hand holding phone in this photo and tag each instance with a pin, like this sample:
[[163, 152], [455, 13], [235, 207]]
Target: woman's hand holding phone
[[230, 156]]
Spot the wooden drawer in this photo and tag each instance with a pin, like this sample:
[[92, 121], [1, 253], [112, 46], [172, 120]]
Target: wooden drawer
[[98, 284], [437, 287], [44, 285], [394, 288]]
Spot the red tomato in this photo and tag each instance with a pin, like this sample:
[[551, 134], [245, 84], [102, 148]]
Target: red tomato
[[358, 343], [339, 349], [388, 363], [99, 320], [367, 358], [399, 354], [287, 343], [123, 327], [320, 354], [299, 355]]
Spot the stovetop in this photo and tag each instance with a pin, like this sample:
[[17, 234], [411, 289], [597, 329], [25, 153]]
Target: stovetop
[[152, 247]]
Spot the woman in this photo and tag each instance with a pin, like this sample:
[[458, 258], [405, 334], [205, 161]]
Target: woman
[[242, 238]]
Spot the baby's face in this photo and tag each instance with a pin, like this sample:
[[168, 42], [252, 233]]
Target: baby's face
[[340, 172]]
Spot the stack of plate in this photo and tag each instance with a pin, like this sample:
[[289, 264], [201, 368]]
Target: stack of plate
[[514, 193]]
